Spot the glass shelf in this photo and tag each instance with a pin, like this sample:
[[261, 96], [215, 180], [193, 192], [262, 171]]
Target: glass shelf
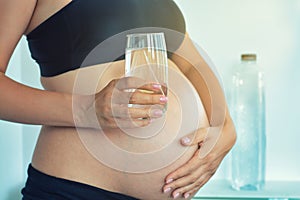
[[275, 190]]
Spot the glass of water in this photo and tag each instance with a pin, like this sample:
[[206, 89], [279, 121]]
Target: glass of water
[[146, 58]]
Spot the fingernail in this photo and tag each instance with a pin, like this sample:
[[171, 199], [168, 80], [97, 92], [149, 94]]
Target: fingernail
[[157, 113], [169, 180], [163, 99], [186, 195], [167, 190], [186, 140], [176, 195], [156, 86]]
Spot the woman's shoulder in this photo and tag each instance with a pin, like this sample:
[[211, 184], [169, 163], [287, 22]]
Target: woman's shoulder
[[15, 15]]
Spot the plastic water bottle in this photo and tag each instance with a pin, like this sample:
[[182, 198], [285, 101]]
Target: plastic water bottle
[[248, 113]]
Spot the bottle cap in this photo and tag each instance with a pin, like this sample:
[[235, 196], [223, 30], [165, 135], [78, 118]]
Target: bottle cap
[[248, 57]]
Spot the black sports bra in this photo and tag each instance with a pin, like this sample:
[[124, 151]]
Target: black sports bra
[[62, 42]]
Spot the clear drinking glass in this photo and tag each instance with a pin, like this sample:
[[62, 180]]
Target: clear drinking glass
[[146, 58]]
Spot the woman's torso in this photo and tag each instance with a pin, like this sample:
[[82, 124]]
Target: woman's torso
[[63, 151]]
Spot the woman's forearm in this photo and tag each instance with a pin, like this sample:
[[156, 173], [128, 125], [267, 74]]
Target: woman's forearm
[[20, 103]]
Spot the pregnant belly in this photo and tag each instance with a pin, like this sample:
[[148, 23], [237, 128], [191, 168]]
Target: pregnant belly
[[132, 161]]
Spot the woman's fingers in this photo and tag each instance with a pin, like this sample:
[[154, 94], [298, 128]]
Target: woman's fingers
[[199, 170], [186, 169], [180, 186], [145, 95], [131, 113], [140, 97], [196, 187], [113, 111], [190, 183], [144, 98], [185, 191], [194, 138], [190, 175], [184, 186], [128, 83]]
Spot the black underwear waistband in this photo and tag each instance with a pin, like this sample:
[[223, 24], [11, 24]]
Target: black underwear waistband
[[40, 186]]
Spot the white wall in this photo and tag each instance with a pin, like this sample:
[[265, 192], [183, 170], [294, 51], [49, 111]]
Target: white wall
[[270, 28]]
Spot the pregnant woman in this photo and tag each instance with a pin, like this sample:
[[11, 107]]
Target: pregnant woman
[[60, 35]]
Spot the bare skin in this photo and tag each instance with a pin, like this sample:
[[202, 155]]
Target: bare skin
[[66, 159], [59, 151]]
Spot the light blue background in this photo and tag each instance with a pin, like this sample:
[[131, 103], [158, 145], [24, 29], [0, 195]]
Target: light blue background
[[225, 29], [270, 28]]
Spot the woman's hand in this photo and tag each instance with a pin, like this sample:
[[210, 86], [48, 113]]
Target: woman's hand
[[189, 178], [111, 104]]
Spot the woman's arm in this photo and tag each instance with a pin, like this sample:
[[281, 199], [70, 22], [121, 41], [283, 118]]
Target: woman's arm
[[23, 104], [190, 177], [20, 103]]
